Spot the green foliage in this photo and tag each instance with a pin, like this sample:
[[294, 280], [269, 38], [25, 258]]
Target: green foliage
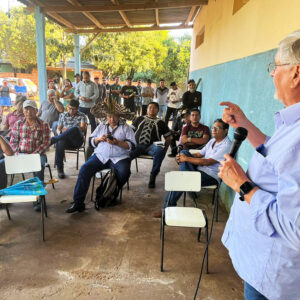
[[152, 54], [17, 38]]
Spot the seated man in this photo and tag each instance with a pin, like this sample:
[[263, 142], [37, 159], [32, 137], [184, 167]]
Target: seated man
[[50, 110], [31, 135], [206, 162], [149, 129], [195, 135], [71, 126], [112, 142], [181, 120], [4, 148]]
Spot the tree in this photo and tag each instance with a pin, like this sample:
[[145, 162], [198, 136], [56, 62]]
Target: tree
[[119, 53], [17, 38]]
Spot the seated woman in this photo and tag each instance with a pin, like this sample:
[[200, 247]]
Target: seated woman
[[14, 116], [112, 142], [67, 93], [207, 161]]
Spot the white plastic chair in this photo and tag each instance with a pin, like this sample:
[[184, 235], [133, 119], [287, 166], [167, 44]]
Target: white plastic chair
[[25, 163], [183, 216], [214, 188]]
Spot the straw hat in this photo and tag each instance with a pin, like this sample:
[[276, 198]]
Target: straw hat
[[101, 109]]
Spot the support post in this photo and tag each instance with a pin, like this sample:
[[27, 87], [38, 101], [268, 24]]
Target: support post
[[77, 53], [41, 53]]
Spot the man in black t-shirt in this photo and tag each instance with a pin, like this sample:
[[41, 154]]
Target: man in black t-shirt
[[128, 92], [192, 98], [148, 130]]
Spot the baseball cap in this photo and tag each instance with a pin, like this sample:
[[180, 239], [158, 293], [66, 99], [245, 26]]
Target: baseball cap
[[185, 112], [30, 103]]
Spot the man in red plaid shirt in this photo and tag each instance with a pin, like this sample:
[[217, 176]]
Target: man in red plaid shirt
[[31, 135]]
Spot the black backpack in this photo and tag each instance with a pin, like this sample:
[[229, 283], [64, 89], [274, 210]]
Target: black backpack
[[107, 192]]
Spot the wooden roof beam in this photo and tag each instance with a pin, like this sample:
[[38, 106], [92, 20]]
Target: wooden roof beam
[[191, 14], [126, 29], [156, 16], [53, 15], [127, 7], [87, 14], [122, 13]]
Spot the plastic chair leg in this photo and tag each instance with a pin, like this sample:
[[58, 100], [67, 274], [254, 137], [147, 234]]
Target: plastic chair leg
[[136, 165], [162, 242]]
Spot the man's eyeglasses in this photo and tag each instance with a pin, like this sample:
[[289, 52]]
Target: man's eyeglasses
[[272, 66], [216, 128]]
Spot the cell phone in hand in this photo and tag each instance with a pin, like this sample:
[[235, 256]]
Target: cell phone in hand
[[110, 137]]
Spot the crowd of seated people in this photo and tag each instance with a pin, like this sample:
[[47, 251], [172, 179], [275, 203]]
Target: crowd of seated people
[[113, 143]]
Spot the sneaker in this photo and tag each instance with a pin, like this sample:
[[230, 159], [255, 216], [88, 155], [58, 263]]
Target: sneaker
[[172, 155], [61, 173], [76, 207], [37, 206], [151, 184]]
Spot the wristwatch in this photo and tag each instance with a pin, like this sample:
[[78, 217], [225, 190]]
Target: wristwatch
[[189, 139], [245, 188]]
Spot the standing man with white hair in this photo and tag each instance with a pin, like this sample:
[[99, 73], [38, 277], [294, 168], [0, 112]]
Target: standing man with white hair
[[263, 230]]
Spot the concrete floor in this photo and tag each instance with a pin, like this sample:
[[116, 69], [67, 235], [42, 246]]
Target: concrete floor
[[109, 254]]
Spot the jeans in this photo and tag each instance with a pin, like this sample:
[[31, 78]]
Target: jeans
[[54, 127], [162, 109], [251, 293], [186, 166], [91, 167], [157, 152], [71, 138], [170, 111], [87, 112]]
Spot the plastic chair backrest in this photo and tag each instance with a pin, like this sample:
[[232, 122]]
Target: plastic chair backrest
[[22, 163], [184, 181]]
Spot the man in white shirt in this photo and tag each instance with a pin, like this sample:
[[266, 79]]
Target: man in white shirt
[[174, 99]]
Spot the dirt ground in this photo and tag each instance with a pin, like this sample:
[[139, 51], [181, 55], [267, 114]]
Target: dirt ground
[[113, 253]]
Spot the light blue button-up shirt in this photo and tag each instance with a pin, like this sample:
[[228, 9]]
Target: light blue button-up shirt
[[216, 152], [105, 151], [263, 238]]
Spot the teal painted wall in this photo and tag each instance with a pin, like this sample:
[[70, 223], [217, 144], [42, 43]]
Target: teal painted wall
[[247, 83]]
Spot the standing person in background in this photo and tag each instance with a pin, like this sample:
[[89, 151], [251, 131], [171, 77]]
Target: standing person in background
[[5, 100], [77, 80], [128, 93], [138, 98], [101, 89], [87, 93], [67, 93], [106, 85], [20, 88], [192, 98], [161, 95], [147, 96], [115, 90], [174, 98]]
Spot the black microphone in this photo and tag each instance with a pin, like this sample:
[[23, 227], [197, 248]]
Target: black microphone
[[239, 136]]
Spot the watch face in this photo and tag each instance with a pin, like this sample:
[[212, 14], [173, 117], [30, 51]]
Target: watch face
[[246, 187]]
